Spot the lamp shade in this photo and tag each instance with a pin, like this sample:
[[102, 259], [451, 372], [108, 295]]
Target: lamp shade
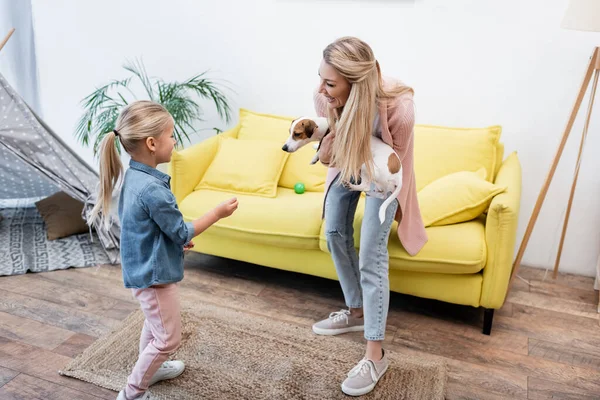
[[582, 15]]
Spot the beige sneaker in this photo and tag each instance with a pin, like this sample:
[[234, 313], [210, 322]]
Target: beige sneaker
[[339, 322], [364, 376]]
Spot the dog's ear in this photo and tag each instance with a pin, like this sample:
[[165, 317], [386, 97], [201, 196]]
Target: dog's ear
[[309, 127], [292, 124]]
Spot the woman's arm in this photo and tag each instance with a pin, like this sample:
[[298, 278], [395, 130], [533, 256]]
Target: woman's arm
[[326, 143], [401, 123]]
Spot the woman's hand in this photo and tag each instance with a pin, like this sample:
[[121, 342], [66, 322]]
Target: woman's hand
[[325, 149], [226, 208]]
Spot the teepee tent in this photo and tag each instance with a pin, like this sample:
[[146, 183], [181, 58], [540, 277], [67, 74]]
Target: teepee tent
[[35, 163]]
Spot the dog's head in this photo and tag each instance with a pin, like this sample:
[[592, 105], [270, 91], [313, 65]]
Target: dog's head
[[305, 130]]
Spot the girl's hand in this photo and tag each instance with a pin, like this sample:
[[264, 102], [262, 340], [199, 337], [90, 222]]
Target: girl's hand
[[226, 208], [188, 246]]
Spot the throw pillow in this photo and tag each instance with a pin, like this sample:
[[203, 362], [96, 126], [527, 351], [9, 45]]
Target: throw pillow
[[261, 126], [457, 197], [440, 151], [298, 169], [62, 215], [251, 167]]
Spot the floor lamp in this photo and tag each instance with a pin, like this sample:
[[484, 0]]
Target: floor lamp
[[3, 42], [581, 15]]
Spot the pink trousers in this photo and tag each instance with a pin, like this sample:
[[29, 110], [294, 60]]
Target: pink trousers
[[161, 334]]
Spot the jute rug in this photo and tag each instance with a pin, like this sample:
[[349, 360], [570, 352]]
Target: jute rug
[[234, 355]]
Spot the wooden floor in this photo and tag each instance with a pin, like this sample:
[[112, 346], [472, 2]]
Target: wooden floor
[[545, 342]]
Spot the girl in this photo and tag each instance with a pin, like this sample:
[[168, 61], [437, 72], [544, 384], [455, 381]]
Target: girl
[[359, 103], [153, 235]]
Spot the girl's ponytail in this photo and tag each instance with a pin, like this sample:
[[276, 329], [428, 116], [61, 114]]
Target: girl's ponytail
[[110, 172]]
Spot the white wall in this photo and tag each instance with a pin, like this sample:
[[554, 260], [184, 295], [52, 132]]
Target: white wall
[[472, 63]]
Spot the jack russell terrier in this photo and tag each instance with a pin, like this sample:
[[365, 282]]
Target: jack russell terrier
[[387, 170]]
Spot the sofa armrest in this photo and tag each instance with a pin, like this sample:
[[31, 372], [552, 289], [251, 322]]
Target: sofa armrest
[[501, 233], [187, 166]]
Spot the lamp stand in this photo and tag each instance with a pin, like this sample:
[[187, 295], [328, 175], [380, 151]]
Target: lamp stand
[[6, 38], [593, 69]]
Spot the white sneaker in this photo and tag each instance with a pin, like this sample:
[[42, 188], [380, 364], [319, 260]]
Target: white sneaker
[[145, 396], [168, 370]]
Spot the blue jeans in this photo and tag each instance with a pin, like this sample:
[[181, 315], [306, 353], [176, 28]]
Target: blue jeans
[[363, 277]]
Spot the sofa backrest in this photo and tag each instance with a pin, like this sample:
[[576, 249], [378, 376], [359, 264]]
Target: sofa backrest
[[439, 150], [297, 169]]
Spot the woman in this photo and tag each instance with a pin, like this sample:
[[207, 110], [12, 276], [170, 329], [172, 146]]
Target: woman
[[359, 103]]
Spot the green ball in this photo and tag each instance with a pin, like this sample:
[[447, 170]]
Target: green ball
[[299, 188]]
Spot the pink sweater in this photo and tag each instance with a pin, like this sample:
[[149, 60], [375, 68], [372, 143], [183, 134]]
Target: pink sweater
[[397, 122]]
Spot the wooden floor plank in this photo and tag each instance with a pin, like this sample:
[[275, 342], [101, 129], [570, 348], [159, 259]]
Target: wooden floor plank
[[569, 280], [44, 365], [6, 375], [540, 300], [76, 297], [484, 382], [467, 391], [480, 354], [28, 387], [549, 318], [32, 332], [56, 315], [99, 280], [453, 330], [568, 334], [74, 345], [520, 284], [541, 389], [579, 295], [564, 354]]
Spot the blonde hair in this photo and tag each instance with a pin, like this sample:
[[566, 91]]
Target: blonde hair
[[136, 122], [355, 61]]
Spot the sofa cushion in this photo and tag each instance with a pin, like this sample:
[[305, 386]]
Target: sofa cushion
[[254, 125], [451, 249], [458, 197], [440, 151], [297, 168], [288, 220], [251, 167]]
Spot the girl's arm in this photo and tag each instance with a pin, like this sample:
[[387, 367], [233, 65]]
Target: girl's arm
[[161, 206], [223, 210]]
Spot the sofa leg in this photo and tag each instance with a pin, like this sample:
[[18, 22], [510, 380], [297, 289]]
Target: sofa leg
[[488, 317]]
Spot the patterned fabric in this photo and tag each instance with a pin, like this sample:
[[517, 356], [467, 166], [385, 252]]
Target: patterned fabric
[[34, 162], [24, 245]]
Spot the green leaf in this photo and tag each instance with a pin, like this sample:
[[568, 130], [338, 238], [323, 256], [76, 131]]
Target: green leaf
[[138, 69], [102, 106]]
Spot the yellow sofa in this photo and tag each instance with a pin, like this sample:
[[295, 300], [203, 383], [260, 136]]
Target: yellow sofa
[[466, 262]]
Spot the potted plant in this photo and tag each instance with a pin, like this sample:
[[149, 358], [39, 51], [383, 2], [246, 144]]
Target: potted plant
[[102, 106]]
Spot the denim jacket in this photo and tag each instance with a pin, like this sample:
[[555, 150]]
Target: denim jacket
[[153, 231]]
